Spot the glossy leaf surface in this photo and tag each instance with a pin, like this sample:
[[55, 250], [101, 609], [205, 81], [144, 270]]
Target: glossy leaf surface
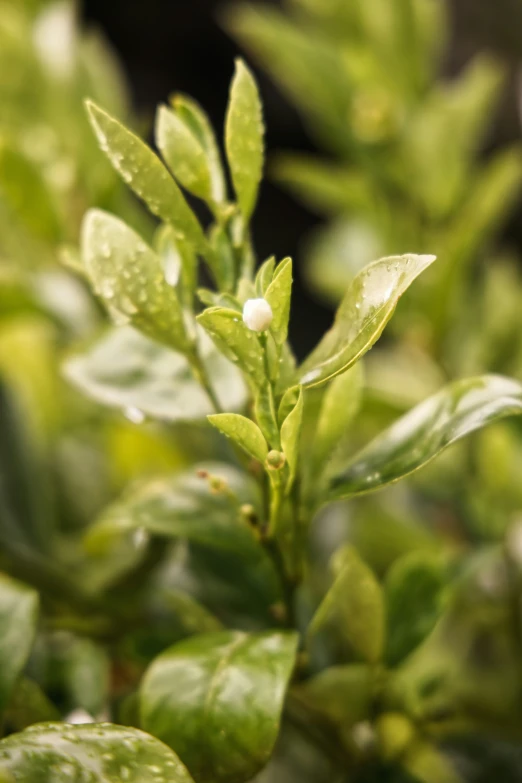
[[244, 138], [415, 439], [290, 432], [129, 277], [242, 431], [278, 296], [18, 618], [128, 371], [143, 171], [355, 604], [98, 753], [366, 308], [217, 700], [235, 340]]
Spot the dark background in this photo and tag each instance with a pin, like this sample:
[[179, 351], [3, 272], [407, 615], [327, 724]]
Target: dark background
[[168, 45]]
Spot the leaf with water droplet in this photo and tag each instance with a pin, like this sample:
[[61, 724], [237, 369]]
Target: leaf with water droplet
[[456, 411], [244, 138], [242, 431], [143, 171], [266, 416], [183, 153], [235, 340], [290, 433], [126, 370], [61, 753], [354, 605], [129, 277], [223, 692], [18, 619], [278, 295], [366, 308]]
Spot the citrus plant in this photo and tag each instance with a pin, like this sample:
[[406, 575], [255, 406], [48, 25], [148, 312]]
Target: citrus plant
[[195, 632]]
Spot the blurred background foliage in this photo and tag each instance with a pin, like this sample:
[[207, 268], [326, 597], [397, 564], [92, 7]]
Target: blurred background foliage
[[395, 128]]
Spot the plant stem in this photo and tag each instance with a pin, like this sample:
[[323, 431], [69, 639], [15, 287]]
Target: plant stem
[[201, 374]]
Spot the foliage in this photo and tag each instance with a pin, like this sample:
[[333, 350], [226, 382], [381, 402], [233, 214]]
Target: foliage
[[202, 605]]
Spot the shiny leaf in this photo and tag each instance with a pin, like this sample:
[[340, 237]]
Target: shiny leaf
[[128, 371], [266, 415], [223, 693], [18, 619], [235, 340], [365, 310], [415, 439], [278, 296], [183, 153], [355, 604], [242, 431], [130, 279], [290, 432], [101, 753], [143, 171], [244, 138]]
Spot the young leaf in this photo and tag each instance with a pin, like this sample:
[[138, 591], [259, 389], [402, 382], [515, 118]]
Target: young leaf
[[183, 153], [243, 431], [130, 279], [278, 296], [191, 113], [414, 591], [355, 603], [128, 371], [366, 308], [143, 171], [264, 276], [266, 415], [428, 765], [61, 753], [235, 340], [457, 410], [342, 694], [288, 403], [244, 138], [18, 619], [223, 692], [290, 432]]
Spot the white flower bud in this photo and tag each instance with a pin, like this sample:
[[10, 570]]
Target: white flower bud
[[54, 36], [257, 314]]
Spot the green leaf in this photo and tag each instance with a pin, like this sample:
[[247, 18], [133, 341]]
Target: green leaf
[[415, 592], [130, 279], [355, 603], [143, 171], [223, 693], [340, 404], [61, 753], [235, 340], [290, 432], [87, 669], [428, 765], [242, 431], [183, 153], [191, 113], [266, 415], [264, 276], [18, 619], [244, 138], [184, 506], [457, 410], [128, 371], [366, 308], [278, 296], [342, 694]]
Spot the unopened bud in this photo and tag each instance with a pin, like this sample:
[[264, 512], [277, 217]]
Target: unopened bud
[[275, 460], [217, 485], [257, 314]]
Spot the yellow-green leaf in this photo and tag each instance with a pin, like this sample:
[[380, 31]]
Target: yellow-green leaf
[[242, 431]]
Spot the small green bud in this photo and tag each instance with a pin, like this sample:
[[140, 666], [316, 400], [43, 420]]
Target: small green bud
[[275, 460], [395, 732]]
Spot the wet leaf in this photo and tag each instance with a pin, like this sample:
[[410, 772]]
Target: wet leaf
[[456, 411], [244, 138], [235, 340], [61, 753], [130, 279], [128, 371], [278, 296], [290, 432], [242, 431], [266, 415], [18, 619], [223, 692], [366, 308], [143, 171], [355, 604]]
